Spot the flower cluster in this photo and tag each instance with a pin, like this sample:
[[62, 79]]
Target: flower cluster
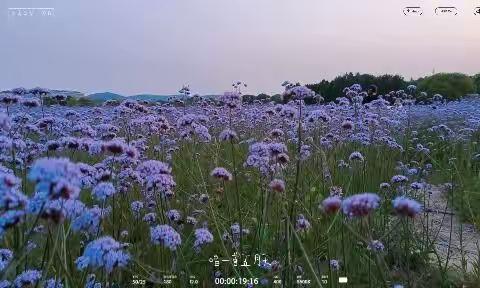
[[157, 177], [228, 135], [356, 156], [12, 201], [360, 205], [222, 174], [55, 178], [103, 190], [173, 215], [233, 236], [104, 253], [232, 99], [376, 246], [28, 278], [166, 236], [202, 238], [300, 92], [277, 185], [6, 256], [89, 220], [302, 224], [267, 157], [331, 205], [406, 207]]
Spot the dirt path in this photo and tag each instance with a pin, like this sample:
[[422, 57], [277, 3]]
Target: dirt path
[[440, 221]]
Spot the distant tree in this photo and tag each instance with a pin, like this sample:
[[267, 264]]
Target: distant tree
[[277, 98], [324, 88], [72, 101], [262, 97], [476, 81], [111, 102], [451, 86], [247, 98], [49, 101], [84, 101], [386, 83], [333, 89]]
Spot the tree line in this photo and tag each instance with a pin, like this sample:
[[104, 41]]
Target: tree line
[[451, 86]]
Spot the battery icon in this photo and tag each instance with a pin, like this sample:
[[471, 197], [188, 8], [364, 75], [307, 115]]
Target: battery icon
[[342, 279]]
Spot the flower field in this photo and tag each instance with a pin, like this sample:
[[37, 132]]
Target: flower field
[[214, 193]]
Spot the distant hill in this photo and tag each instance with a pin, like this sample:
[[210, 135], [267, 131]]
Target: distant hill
[[105, 96], [151, 97]]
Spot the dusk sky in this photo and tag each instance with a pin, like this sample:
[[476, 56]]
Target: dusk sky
[[155, 46]]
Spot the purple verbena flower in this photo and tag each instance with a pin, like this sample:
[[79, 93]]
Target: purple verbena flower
[[10, 219], [228, 135], [335, 264], [202, 238], [376, 246], [331, 205], [277, 185], [360, 205], [173, 215], [302, 224], [398, 179], [28, 278], [103, 190], [55, 178], [166, 236], [356, 156], [136, 207], [53, 283], [406, 207], [104, 252], [6, 256], [221, 173], [150, 218]]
